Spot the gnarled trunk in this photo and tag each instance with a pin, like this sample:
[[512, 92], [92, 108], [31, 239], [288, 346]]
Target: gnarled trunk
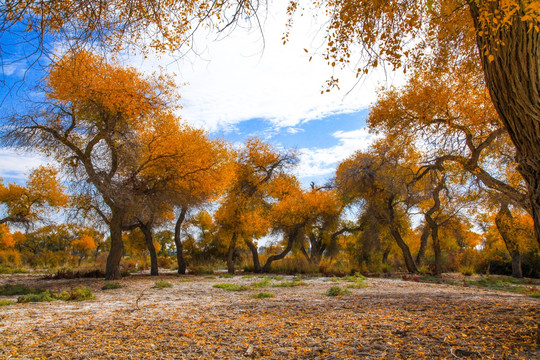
[[505, 226], [178, 241], [112, 269], [230, 254], [149, 239], [409, 262], [514, 85], [254, 255], [423, 245], [291, 237]]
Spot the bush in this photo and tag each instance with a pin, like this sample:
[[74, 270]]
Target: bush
[[226, 276], [337, 291], [6, 302], [263, 295], [44, 296], [18, 289], [68, 273], [261, 284], [201, 270], [78, 294], [10, 257], [166, 262], [289, 284], [112, 285], [162, 284], [9, 270], [231, 287]]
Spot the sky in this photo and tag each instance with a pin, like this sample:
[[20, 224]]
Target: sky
[[250, 84]]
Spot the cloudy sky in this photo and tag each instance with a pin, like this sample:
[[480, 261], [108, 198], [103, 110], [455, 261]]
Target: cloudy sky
[[249, 84]]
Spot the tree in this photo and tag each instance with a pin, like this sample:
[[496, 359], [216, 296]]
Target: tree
[[383, 177], [502, 36], [26, 205], [91, 121]]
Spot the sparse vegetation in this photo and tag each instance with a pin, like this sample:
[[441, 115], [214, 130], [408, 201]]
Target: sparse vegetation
[[337, 291], [231, 287], [263, 295], [112, 285], [162, 284]]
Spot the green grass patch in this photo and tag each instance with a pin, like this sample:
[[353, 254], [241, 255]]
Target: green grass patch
[[6, 302], [80, 293], [112, 285], [289, 284], [210, 277], [231, 287], [261, 284], [226, 276], [162, 284], [535, 295], [337, 291], [41, 297], [277, 277], [9, 270], [263, 295], [18, 289], [248, 276]]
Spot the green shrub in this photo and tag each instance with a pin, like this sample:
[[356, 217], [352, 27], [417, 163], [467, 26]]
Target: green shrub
[[210, 277], [44, 296], [231, 287], [80, 293], [248, 276], [112, 285], [6, 302], [337, 291], [535, 294], [467, 270], [18, 289], [263, 295], [9, 270], [289, 284], [261, 284], [226, 276], [201, 270], [162, 284]]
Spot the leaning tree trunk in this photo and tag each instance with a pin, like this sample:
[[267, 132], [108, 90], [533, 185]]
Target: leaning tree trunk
[[230, 254], [178, 241], [436, 250], [112, 269], [423, 245], [149, 239], [514, 85], [255, 255], [504, 223], [291, 237], [409, 262]]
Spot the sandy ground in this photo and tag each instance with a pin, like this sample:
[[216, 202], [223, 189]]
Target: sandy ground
[[388, 319]]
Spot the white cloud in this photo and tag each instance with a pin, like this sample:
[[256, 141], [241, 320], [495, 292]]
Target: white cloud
[[323, 161], [242, 77], [15, 165]]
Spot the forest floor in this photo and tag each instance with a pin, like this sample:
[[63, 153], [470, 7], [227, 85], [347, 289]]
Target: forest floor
[[387, 319]]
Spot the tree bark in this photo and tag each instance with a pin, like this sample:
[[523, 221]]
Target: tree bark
[[178, 241], [436, 250], [149, 239], [230, 254], [291, 237], [514, 85], [409, 262], [255, 255], [423, 245], [112, 269], [504, 223]]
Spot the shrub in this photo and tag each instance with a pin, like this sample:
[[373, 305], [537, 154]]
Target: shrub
[[162, 284], [10, 257], [263, 295], [337, 291], [78, 294], [9, 270], [226, 276], [467, 270], [6, 302], [18, 289], [289, 284], [44, 296], [201, 270], [261, 284], [535, 294], [68, 273], [231, 287], [112, 285]]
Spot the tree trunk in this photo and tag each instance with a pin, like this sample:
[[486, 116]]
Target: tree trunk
[[230, 254], [436, 250], [385, 255], [147, 231], [178, 241], [291, 237], [423, 245], [409, 262], [514, 85], [112, 269], [504, 223], [255, 255]]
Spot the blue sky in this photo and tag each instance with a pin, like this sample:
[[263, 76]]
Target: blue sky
[[245, 85]]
